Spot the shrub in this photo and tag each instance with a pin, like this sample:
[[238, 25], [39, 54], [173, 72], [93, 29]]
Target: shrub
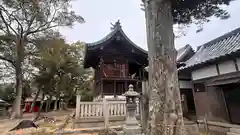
[[108, 132]]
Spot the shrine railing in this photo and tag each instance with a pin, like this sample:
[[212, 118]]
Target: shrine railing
[[102, 108]]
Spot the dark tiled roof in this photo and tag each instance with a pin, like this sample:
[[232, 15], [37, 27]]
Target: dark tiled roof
[[219, 47], [183, 52], [117, 28], [4, 103], [116, 33]]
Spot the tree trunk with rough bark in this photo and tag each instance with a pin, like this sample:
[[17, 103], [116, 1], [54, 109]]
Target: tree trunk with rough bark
[[34, 100], [17, 111], [165, 105]]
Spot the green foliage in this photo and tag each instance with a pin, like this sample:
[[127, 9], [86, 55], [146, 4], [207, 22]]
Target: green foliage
[[7, 92], [29, 17], [186, 12], [107, 131], [27, 89], [30, 22], [61, 69], [24, 24]]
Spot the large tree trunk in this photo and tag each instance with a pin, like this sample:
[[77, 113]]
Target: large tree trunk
[[17, 111], [34, 100], [165, 104]]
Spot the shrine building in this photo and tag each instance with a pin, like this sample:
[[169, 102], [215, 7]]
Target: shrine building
[[117, 62]]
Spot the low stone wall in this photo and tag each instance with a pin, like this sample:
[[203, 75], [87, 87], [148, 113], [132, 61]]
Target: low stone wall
[[99, 122]]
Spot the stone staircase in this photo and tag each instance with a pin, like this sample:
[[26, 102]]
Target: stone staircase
[[234, 131]]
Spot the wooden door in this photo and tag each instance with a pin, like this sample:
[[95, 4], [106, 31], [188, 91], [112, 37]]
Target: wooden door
[[232, 96]]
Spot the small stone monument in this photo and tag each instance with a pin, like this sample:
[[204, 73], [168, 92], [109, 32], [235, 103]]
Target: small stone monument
[[131, 126]]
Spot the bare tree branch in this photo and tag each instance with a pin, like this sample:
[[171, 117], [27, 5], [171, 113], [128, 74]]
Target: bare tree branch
[[4, 20], [8, 60], [28, 32], [43, 29]]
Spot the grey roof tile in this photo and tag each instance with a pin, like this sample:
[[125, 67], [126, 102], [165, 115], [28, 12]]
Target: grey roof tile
[[183, 52], [221, 46]]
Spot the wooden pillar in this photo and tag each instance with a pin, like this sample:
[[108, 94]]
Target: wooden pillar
[[94, 89], [127, 68], [101, 87], [105, 113], [114, 87], [125, 86], [101, 76], [140, 74], [137, 87]]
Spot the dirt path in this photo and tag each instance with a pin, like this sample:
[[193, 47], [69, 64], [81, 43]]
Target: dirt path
[[7, 124]]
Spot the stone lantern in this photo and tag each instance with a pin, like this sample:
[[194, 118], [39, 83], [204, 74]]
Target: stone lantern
[[131, 126]]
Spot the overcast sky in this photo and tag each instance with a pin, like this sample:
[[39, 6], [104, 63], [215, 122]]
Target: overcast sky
[[100, 13]]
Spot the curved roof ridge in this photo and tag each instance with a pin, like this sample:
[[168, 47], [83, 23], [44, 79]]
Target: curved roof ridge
[[131, 42], [108, 36], [183, 51], [116, 28]]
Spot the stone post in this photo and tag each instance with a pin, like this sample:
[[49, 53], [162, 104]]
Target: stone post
[[144, 106], [131, 126], [105, 113], [78, 100]]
